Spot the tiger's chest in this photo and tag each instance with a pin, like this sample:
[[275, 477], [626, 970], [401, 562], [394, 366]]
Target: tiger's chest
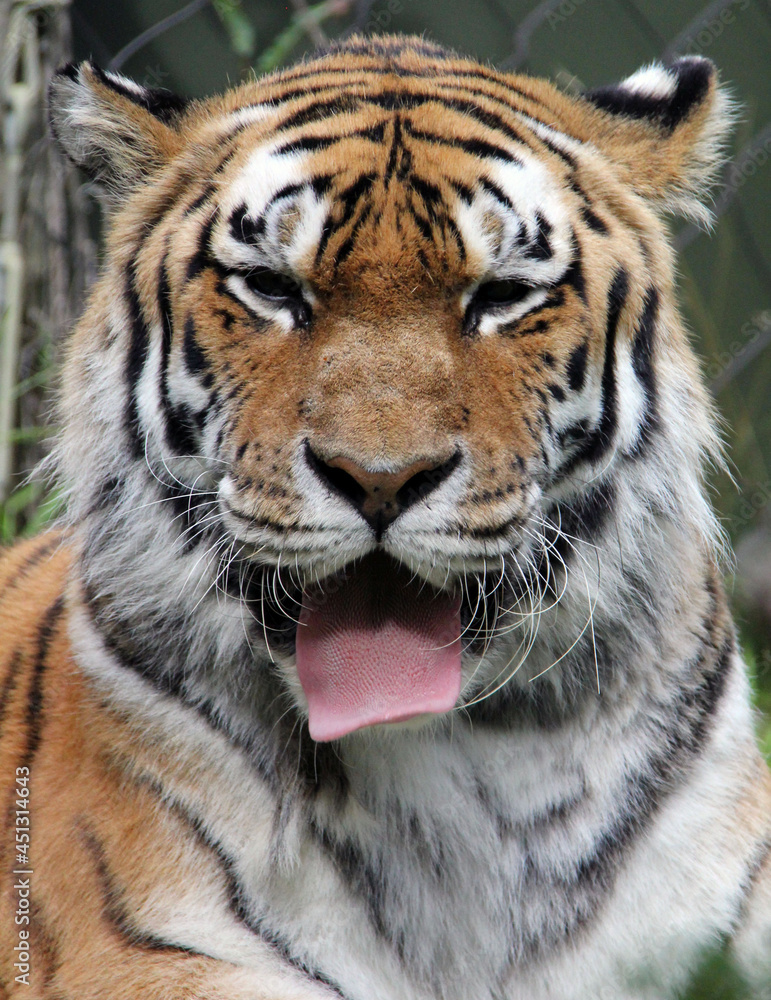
[[470, 865]]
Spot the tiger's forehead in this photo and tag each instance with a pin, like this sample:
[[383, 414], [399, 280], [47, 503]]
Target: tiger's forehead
[[394, 183]]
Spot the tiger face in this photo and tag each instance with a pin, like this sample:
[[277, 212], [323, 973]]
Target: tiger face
[[391, 337]]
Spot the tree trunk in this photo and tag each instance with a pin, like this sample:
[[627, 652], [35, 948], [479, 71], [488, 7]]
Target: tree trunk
[[47, 252]]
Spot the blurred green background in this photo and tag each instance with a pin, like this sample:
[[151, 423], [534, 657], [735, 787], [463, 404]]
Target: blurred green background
[[205, 45]]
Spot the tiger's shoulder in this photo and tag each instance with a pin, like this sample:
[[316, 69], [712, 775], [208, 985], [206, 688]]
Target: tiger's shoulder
[[33, 577], [77, 818]]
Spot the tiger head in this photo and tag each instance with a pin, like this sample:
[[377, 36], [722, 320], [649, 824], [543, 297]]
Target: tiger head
[[382, 341]]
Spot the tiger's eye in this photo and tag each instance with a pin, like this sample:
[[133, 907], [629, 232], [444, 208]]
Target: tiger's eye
[[273, 284], [501, 293]]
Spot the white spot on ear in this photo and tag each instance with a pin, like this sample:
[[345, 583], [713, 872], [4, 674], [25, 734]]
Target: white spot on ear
[[651, 81], [124, 83]]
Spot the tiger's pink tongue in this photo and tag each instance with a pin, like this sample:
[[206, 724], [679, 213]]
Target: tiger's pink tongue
[[378, 646]]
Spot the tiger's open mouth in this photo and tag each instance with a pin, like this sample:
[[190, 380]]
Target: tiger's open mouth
[[373, 643]]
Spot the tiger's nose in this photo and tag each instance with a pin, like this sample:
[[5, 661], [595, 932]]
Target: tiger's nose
[[380, 497]]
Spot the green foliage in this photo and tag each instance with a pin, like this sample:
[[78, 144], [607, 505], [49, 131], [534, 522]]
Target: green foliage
[[27, 511], [290, 38], [241, 31], [718, 980]]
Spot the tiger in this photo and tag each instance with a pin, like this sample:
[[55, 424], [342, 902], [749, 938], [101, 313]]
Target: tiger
[[382, 651]]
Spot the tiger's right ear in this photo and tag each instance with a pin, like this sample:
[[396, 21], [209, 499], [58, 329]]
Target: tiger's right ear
[[115, 130]]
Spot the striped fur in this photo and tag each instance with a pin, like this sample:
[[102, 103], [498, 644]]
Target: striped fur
[[402, 257]]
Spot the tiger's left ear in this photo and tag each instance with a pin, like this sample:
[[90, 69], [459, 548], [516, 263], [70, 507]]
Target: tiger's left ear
[[117, 131], [666, 126]]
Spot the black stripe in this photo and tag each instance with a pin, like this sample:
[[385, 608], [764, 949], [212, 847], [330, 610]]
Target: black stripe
[[557, 391], [178, 424], [430, 194], [687, 723], [349, 197], [363, 879], [201, 259], [396, 146], [34, 714], [321, 183], [576, 367], [359, 77], [313, 143], [477, 147], [165, 670], [231, 154], [237, 901], [243, 228], [259, 322], [396, 100], [467, 102], [457, 236], [201, 200], [601, 438], [280, 944], [593, 220], [497, 193], [540, 248], [195, 359], [318, 111], [114, 908], [346, 247], [554, 148], [106, 494], [9, 684], [423, 225], [586, 515], [71, 70], [489, 119], [48, 544], [463, 190], [574, 276], [167, 335], [327, 230], [285, 192], [642, 363], [607, 426], [136, 358], [493, 531]]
